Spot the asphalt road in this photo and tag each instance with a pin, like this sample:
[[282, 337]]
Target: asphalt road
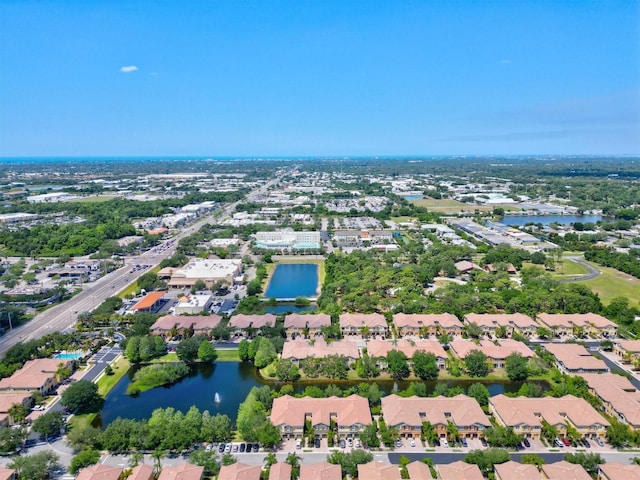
[[593, 271], [63, 316]]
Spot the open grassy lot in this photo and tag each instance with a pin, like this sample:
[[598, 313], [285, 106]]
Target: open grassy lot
[[612, 283], [448, 205], [94, 199], [567, 269]]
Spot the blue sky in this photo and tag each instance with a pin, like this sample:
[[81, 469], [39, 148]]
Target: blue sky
[[302, 77]]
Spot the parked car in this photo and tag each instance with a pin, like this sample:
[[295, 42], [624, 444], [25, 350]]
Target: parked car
[[227, 449], [484, 442], [221, 448], [558, 443], [298, 444], [444, 442], [350, 442], [357, 443], [526, 443], [316, 442], [398, 443], [600, 442], [566, 441], [343, 443], [586, 443], [464, 443], [243, 447], [235, 448], [412, 442]]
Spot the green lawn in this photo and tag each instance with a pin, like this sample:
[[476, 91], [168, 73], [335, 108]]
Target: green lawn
[[227, 355], [448, 205], [566, 268], [94, 199], [612, 283], [107, 382], [133, 287]]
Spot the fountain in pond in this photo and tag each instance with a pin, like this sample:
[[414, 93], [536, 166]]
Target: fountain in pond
[[216, 398]]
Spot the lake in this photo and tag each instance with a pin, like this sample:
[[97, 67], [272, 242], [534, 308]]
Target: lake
[[290, 308], [292, 280], [411, 198], [521, 220], [232, 382]]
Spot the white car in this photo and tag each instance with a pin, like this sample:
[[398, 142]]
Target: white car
[[298, 444], [357, 443], [444, 442], [412, 442]]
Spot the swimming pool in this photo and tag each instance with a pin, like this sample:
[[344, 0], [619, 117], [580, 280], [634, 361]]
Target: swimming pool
[[68, 356]]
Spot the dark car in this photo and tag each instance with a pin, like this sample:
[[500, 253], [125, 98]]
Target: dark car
[[586, 443], [343, 444], [463, 441], [256, 447], [526, 443], [484, 442], [316, 443], [243, 447], [221, 448]]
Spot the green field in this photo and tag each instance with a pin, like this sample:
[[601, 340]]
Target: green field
[[611, 283], [448, 205], [107, 382], [567, 269], [94, 199], [224, 355]]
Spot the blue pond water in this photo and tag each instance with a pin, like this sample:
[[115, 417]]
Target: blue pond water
[[520, 220], [232, 382], [410, 198], [292, 280], [279, 309]]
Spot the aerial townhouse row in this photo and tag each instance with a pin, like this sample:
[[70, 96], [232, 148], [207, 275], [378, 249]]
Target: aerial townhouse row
[[374, 325], [374, 470], [350, 415], [525, 415]]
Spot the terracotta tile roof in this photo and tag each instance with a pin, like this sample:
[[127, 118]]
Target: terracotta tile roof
[[461, 410], [299, 349], [517, 471], [9, 399], [141, 472], [100, 472], [617, 391], [380, 348], [185, 471], [255, 321], [33, 375], [351, 410], [358, 320], [419, 471], [378, 471], [631, 346], [280, 471], [6, 473], [239, 471], [198, 322], [491, 320], [564, 470], [505, 347], [619, 471], [578, 319], [459, 471], [523, 411], [575, 357], [148, 301], [320, 471], [296, 320], [418, 320]]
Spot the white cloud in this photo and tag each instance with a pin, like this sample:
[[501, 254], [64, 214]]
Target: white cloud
[[128, 69], [505, 61]]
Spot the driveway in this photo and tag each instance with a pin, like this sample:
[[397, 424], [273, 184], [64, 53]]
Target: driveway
[[593, 271]]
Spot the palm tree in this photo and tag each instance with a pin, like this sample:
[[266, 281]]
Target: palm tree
[[294, 460], [135, 459], [18, 412], [452, 431], [157, 455]]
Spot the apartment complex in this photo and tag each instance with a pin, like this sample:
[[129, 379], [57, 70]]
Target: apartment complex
[[408, 415], [348, 415], [526, 415]]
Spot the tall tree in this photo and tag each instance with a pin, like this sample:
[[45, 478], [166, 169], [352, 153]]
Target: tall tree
[[425, 365]]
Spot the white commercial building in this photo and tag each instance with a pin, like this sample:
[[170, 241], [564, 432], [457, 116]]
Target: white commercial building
[[288, 239], [209, 271]]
